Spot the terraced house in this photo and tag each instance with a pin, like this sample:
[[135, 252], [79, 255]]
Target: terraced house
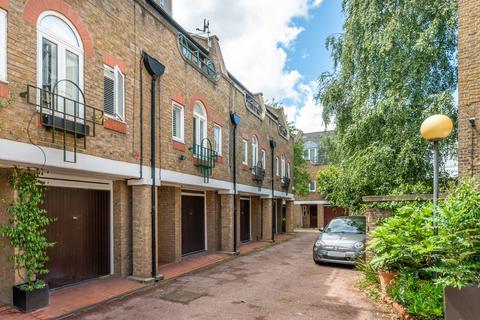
[[148, 144], [313, 210]]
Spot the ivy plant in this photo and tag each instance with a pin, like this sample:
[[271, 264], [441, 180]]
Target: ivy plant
[[26, 228]]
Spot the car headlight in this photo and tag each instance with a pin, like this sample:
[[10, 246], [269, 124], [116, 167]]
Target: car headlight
[[359, 245], [319, 243]]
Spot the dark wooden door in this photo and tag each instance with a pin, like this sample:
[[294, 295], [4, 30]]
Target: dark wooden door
[[313, 217], [244, 220], [330, 213], [284, 219], [193, 224], [81, 232]]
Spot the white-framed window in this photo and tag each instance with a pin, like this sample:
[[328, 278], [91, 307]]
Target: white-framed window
[[312, 186], [177, 122], [244, 151], [114, 92], [3, 45], [217, 139], [60, 61], [277, 166], [199, 124], [254, 152], [264, 159], [282, 173], [288, 170]]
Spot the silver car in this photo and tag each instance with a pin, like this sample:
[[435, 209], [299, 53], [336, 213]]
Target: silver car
[[341, 241]]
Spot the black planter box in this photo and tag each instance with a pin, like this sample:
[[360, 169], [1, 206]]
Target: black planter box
[[462, 303], [28, 301]]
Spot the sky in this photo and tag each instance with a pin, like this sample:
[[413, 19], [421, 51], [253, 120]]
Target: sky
[[271, 46]]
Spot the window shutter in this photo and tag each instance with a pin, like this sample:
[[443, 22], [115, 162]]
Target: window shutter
[[176, 115], [108, 95], [120, 95]]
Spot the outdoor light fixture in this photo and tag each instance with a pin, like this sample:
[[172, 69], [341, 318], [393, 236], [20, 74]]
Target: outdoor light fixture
[[436, 128]]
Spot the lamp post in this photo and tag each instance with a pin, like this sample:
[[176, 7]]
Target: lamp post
[[436, 128]]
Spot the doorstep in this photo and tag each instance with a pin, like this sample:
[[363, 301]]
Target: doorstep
[[71, 299]]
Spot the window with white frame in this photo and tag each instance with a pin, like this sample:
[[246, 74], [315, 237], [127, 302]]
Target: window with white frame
[[245, 151], [217, 139], [277, 166], [114, 92], [60, 61], [313, 186], [264, 159], [199, 124], [254, 152], [177, 122], [288, 170], [282, 173], [3, 45]]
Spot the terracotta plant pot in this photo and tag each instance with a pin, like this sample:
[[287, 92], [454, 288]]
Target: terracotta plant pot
[[387, 278]]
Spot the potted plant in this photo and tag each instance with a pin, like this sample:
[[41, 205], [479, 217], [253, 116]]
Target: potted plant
[[26, 232]]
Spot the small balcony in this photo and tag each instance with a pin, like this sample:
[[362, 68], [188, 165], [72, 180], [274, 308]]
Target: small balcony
[[283, 131], [197, 57], [252, 105], [258, 174], [285, 184], [205, 158]]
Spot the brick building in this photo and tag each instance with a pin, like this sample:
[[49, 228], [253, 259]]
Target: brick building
[[129, 116], [468, 87], [313, 211]]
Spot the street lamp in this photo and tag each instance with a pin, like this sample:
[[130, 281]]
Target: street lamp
[[436, 128]]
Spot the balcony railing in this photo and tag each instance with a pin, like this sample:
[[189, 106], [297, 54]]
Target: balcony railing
[[253, 105], [69, 116], [192, 53], [282, 131], [205, 158], [286, 184], [258, 174]]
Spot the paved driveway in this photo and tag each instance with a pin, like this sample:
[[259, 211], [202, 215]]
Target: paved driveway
[[281, 282]]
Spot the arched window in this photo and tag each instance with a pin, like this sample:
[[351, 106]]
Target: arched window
[[282, 173], [254, 152], [199, 124], [60, 61]]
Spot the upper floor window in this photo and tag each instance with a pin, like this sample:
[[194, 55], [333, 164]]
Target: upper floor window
[[217, 139], [254, 152], [313, 186], [288, 170], [264, 159], [277, 166], [113, 93], [3, 45], [283, 167], [199, 124], [195, 55], [177, 122], [60, 62], [245, 151]]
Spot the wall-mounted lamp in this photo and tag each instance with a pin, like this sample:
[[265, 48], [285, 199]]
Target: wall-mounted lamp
[[472, 121], [182, 157]]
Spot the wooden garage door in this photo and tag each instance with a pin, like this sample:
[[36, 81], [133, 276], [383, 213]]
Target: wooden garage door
[[193, 224], [313, 216], [81, 233], [330, 213], [244, 220]]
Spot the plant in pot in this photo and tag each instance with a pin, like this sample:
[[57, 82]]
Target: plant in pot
[[401, 242], [26, 232]]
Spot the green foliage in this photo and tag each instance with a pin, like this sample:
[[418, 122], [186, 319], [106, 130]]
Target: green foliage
[[370, 273], [301, 178], [395, 65], [26, 228], [422, 299]]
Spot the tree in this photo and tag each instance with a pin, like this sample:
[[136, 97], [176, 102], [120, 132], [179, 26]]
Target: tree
[[394, 65], [301, 178]]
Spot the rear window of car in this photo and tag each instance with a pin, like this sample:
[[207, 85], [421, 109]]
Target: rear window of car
[[346, 225]]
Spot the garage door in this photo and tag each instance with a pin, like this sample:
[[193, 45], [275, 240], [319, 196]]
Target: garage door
[[193, 224], [244, 220], [81, 233], [332, 212]]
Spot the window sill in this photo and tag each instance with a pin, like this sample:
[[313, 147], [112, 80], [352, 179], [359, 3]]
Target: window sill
[[115, 125]]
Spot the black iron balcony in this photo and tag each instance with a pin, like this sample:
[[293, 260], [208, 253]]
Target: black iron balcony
[[253, 105], [65, 114], [285, 184], [205, 158], [258, 174]]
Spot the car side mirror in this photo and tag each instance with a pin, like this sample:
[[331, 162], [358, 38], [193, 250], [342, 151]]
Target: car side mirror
[[321, 229]]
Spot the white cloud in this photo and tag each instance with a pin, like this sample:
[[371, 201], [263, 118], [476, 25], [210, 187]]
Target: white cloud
[[255, 37]]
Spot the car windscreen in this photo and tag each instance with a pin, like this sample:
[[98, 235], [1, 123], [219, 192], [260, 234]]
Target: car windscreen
[[346, 226]]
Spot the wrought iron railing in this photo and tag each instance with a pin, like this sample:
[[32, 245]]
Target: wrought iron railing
[[61, 113], [253, 105], [205, 158], [258, 174], [192, 53], [283, 131], [286, 184]]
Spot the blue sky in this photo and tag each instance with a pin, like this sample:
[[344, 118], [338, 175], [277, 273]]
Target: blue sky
[[274, 47]]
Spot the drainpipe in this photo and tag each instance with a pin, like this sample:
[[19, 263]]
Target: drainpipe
[[155, 69], [235, 119], [273, 144]]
